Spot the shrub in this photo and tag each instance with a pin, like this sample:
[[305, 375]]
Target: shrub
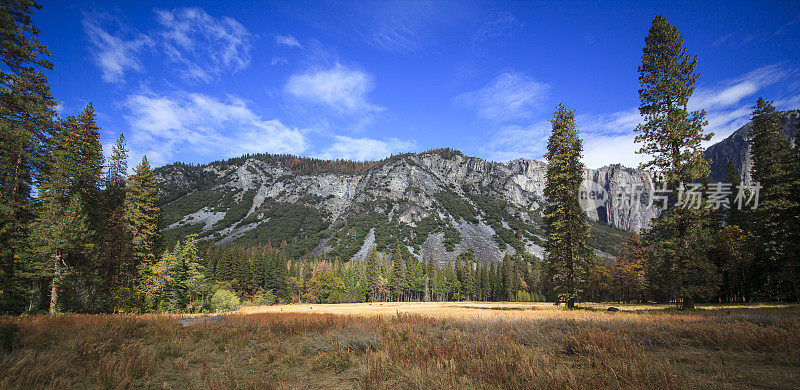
[[264, 299], [207, 307], [225, 300], [8, 336]]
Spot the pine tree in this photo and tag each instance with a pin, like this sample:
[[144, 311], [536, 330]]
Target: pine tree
[[117, 172], [496, 282], [196, 281], [733, 251], [429, 269], [141, 219], [27, 112], [372, 273], [776, 168], [281, 287], [112, 237], [261, 270], [397, 275], [628, 272], [86, 154], [64, 235], [69, 171], [565, 223], [241, 269], [80, 140], [735, 215], [672, 136]]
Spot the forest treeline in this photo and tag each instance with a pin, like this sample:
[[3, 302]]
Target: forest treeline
[[79, 233]]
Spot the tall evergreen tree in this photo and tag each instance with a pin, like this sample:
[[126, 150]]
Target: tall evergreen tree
[[397, 275], [429, 269], [672, 136], [85, 154], [64, 235], [71, 170], [280, 288], [777, 169], [566, 227], [734, 215], [27, 112], [141, 220], [372, 274], [113, 244], [629, 274]]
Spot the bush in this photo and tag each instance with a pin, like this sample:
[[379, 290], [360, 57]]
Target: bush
[[225, 300], [9, 336], [264, 298], [207, 307]]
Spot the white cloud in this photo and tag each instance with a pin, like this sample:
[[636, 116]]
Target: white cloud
[[163, 127], [599, 151], [397, 27], [728, 104], [616, 123], [498, 25], [278, 61], [365, 149], [114, 52], [287, 40], [342, 89], [204, 45], [513, 142], [730, 92], [509, 97], [609, 138]]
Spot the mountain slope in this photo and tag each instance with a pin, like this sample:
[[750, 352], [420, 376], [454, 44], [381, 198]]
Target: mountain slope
[[736, 148], [439, 202]]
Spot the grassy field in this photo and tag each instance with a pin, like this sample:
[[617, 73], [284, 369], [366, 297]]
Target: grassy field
[[417, 345]]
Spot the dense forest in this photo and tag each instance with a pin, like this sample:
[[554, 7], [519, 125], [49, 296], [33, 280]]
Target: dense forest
[[79, 232]]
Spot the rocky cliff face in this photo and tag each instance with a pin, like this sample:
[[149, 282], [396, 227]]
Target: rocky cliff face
[[438, 203], [736, 148]]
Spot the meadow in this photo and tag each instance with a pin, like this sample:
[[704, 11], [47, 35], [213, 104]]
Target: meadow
[[411, 345]]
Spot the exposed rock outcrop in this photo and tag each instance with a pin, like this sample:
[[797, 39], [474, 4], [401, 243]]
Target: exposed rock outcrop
[[737, 149]]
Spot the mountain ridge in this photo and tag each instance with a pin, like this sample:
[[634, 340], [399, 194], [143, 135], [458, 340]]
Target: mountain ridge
[[439, 202]]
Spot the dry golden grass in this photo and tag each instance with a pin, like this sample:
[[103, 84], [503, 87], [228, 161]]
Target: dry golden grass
[[420, 345]]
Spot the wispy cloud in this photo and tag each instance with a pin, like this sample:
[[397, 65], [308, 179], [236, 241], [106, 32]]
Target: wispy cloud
[[729, 103], [722, 39], [276, 60], [365, 149], [203, 45], [509, 97], [513, 141], [786, 27], [116, 50], [287, 40], [340, 88], [609, 138], [164, 127], [730, 92], [398, 27], [498, 25]]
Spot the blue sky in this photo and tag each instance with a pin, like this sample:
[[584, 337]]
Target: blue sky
[[202, 81]]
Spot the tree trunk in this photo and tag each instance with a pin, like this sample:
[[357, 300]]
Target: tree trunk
[[54, 285], [571, 303], [687, 303]]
